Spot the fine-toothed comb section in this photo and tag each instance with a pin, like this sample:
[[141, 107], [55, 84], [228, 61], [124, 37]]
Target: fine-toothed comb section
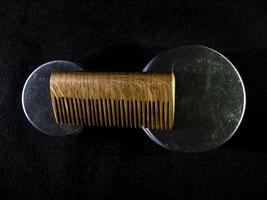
[[115, 99]]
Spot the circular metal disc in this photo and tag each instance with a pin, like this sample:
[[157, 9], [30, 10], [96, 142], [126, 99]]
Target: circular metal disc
[[209, 101], [36, 100]]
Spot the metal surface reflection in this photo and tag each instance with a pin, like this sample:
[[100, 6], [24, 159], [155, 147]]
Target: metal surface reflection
[[36, 100], [210, 99]]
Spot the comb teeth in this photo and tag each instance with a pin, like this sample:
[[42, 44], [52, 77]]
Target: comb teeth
[[111, 113], [108, 100]]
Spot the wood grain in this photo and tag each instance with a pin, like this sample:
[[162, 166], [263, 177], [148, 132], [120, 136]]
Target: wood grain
[[119, 99]]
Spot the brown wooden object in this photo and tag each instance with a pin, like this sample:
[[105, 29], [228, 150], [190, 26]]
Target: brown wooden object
[[114, 99]]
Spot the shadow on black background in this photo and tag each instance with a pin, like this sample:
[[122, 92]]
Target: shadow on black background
[[250, 136], [127, 57]]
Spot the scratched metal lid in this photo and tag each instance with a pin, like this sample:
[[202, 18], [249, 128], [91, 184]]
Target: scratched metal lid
[[209, 103], [36, 100]]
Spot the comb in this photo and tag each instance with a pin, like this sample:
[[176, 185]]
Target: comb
[[113, 99]]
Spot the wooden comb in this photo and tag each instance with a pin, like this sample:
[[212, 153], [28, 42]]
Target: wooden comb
[[120, 99]]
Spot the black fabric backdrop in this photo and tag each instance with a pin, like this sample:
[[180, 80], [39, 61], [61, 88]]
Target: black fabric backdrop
[[126, 164]]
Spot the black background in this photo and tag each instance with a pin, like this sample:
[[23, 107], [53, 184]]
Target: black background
[[125, 35]]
